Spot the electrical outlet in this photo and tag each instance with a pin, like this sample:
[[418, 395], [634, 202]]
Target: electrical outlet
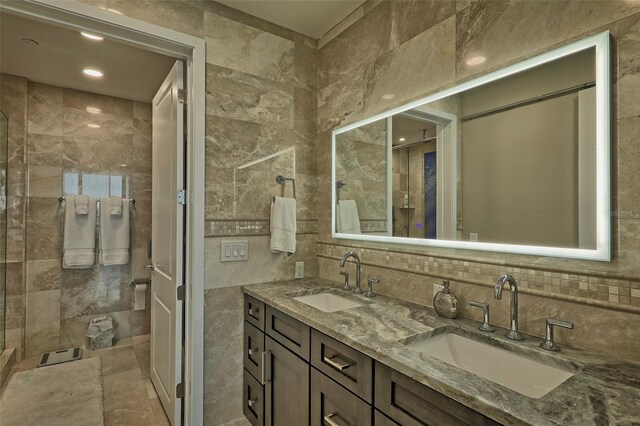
[[437, 288], [473, 237], [299, 270]]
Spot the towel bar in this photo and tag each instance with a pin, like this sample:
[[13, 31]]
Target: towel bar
[[131, 200]]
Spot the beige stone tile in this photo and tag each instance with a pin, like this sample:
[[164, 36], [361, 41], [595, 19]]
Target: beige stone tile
[[626, 36], [45, 119], [305, 61], [14, 279], [126, 401], [341, 101], [233, 94], [44, 181], [143, 355], [158, 412], [412, 17], [42, 321], [100, 295], [43, 275], [395, 73], [44, 150], [119, 360], [247, 19], [44, 93], [44, 229], [240, 47], [77, 99], [185, 16]]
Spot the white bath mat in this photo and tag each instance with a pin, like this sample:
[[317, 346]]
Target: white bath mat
[[60, 395]]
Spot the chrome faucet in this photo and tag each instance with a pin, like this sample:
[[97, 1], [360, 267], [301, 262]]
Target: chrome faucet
[[513, 334], [356, 259]]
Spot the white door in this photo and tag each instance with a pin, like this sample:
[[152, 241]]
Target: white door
[[167, 250]]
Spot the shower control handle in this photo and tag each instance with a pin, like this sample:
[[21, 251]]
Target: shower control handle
[[149, 267]]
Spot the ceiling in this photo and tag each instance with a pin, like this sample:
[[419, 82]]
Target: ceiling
[[310, 17], [62, 53]]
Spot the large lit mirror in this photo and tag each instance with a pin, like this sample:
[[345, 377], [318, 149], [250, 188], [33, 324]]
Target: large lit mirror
[[514, 161]]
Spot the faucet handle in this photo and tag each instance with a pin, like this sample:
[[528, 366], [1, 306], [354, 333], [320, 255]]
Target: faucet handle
[[548, 344], [370, 292], [346, 280], [485, 316]]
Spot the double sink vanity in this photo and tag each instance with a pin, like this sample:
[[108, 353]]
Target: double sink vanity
[[317, 354]]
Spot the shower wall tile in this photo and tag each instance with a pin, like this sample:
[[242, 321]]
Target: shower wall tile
[[233, 45], [305, 62], [14, 279], [43, 275], [42, 321], [44, 181], [44, 236], [108, 105], [40, 93], [413, 17], [44, 150]]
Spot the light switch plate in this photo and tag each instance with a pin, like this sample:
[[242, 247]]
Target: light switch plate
[[234, 251], [299, 270]]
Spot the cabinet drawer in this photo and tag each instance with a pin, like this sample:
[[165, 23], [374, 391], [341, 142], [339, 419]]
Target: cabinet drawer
[[343, 364], [254, 311], [253, 351], [411, 403], [289, 332], [382, 420], [333, 405], [253, 400]]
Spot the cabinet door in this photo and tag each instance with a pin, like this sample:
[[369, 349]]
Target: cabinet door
[[411, 403], [333, 405], [382, 420], [286, 386]]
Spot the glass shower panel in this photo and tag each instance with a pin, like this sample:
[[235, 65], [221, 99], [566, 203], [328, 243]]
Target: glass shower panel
[[4, 142]]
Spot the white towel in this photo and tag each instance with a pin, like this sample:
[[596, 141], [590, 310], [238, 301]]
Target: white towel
[[283, 225], [114, 234], [115, 205], [348, 220], [81, 204], [79, 235]]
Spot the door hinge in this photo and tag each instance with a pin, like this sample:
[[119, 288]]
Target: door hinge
[[180, 390], [182, 96], [182, 197], [180, 292]]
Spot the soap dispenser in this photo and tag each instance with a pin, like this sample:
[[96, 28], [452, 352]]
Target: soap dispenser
[[445, 303]]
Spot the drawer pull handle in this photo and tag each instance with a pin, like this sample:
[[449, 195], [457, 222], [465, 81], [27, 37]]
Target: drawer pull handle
[[253, 311], [252, 402], [253, 351], [334, 362], [329, 419]]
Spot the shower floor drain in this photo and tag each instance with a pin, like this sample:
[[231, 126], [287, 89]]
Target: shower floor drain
[[59, 357]]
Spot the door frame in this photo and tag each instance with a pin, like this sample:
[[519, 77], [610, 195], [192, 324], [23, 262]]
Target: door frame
[[192, 51]]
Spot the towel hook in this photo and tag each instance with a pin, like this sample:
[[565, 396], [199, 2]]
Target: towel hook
[[280, 180]]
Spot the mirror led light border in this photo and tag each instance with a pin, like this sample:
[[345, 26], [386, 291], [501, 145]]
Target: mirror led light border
[[602, 252]]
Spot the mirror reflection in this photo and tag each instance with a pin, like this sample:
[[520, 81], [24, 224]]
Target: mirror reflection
[[512, 161]]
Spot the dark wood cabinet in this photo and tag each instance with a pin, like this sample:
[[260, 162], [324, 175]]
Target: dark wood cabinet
[[411, 403], [345, 365], [333, 405], [289, 332], [296, 376], [286, 386]]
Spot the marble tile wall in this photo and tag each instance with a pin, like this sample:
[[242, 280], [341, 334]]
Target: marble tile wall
[[60, 302], [13, 101], [409, 49]]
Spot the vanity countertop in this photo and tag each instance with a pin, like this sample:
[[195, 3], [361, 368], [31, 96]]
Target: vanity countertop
[[603, 390]]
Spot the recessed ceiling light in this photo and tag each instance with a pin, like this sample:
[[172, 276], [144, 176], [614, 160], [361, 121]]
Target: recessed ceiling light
[[91, 36], [402, 139], [476, 60], [30, 41], [93, 126], [388, 96], [93, 110], [91, 72]]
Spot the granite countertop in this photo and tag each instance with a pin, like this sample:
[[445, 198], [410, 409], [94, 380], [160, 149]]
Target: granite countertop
[[602, 391]]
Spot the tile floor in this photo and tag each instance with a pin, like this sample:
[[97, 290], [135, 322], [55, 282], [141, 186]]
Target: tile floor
[[129, 396]]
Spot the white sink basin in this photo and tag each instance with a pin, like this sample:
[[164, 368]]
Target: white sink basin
[[516, 372], [328, 302]]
